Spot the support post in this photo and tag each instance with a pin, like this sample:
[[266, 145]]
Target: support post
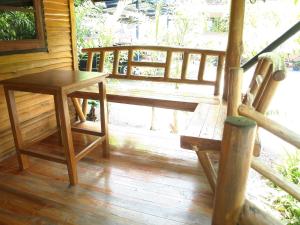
[[235, 91], [235, 161], [235, 40]]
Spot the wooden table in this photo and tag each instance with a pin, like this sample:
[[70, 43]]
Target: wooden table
[[59, 84]]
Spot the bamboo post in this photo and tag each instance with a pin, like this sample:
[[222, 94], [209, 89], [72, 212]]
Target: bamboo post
[[235, 91], [235, 161], [235, 40]]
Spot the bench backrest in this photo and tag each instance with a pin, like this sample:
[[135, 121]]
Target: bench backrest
[[166, 62], [270, 70]]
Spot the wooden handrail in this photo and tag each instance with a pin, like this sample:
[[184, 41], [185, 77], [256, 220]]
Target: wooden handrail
[[268, 173], [281, 132], [155, 48], [166, 65], [271, 126], [289, 33]]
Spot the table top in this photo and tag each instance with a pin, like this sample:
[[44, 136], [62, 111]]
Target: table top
[[55, 80]]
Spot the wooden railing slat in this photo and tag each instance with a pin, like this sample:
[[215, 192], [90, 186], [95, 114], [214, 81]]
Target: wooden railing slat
[[101, 61], [89, 64], [129, 64], [221, 60], [185, 64], [168, 64], [202, 67], [115, 62]]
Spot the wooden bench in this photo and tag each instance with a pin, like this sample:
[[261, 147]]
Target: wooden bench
[[154, 97], [205, 131]]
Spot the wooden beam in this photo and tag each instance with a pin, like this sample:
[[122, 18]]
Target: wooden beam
[[235, 40], [144, 101], [235, 161], [203, 144]]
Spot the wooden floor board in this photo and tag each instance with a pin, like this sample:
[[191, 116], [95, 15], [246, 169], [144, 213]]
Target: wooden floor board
[[139, 184]]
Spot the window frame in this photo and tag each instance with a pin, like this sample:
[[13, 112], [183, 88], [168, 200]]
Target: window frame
[[30, 45]]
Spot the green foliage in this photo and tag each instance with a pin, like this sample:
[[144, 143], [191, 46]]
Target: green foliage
[[93, 103], [17, 25], [218, 24], [85, 10], [291, 169], [288, 206]]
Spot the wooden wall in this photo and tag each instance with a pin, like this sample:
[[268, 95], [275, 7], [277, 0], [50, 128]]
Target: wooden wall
[[37, 111]]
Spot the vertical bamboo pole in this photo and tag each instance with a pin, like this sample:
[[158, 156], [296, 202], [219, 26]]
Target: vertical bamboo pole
[[235, 91], [235, 161], [235, 40]]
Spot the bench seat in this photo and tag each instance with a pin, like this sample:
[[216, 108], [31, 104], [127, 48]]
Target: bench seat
[[205, 129], [129, 94]]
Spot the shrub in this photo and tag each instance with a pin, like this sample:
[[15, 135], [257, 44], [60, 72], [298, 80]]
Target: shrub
[[288, 206]]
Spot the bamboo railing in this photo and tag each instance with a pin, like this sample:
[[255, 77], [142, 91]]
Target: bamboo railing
[[240, 209], [282, 132], [166, 65]]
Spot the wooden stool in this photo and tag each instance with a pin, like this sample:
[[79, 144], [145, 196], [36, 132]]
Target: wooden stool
[[59, 84]]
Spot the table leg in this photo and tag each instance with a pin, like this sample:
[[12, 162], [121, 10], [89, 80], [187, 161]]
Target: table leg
[[103, 117], [15, 126], [61, 104], [57, 120]]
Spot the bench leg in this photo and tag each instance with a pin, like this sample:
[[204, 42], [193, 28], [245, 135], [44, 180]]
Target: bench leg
[[78, 109], [208, 169], [104, 117]]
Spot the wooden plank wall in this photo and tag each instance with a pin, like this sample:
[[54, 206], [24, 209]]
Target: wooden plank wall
[[37, 111]]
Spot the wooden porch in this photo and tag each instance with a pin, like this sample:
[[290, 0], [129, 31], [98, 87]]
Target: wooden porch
[[148, 179]]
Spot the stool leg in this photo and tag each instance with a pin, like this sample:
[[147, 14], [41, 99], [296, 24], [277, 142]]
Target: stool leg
[[15, 126], [61, 104], [103, 117]]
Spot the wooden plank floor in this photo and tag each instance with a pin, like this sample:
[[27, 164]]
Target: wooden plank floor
[[148, 179]]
